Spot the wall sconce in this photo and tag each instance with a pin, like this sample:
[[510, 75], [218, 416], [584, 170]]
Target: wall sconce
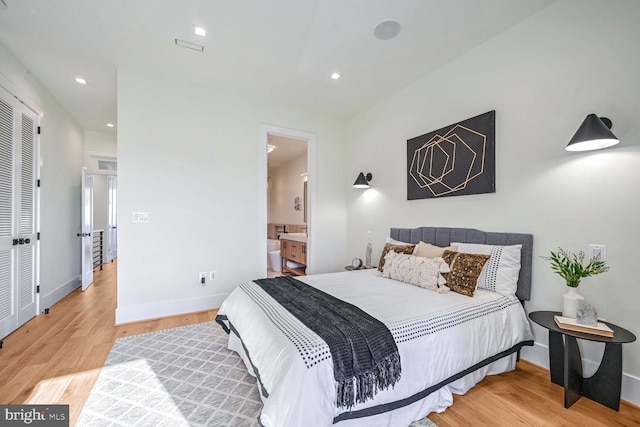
[[593, 134], [363, 180]]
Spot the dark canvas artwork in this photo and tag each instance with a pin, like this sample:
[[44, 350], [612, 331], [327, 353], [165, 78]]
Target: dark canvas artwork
[[453, 161]]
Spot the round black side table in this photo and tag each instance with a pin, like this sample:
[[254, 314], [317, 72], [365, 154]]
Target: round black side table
[[565, 362]]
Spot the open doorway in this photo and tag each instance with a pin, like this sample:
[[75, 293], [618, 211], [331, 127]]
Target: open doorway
[[288, 202], [102, 244], [287, 177]]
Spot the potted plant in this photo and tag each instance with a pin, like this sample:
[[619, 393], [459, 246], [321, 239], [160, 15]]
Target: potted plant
[[572, 269]]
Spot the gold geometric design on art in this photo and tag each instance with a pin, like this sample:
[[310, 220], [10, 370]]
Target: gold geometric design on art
[[461, 150]]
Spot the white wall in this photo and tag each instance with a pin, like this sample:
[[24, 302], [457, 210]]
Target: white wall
[[542, 77], [61, 145], [103, 142], [190, 156], [285, 185]]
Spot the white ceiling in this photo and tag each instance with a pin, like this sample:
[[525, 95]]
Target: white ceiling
[[280, 50], [285, 149]]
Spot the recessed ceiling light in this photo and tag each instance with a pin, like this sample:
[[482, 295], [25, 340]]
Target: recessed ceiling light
[[335, 76], [270, 148], [199, 31], [386, 30], [81, 81], [109, 125]]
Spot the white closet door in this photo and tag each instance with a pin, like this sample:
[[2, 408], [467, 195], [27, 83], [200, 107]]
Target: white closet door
[[18, 213], [27, 215], [8, 316]]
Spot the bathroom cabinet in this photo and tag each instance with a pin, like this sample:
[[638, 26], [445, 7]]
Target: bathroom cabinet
[[275, 230], [293, 250]]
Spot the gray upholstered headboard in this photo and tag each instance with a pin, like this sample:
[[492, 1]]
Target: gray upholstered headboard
[[443, 236]]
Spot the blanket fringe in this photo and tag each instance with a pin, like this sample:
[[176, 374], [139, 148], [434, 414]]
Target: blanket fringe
[[363, 387]]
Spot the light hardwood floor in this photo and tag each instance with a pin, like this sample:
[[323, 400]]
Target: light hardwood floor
[[56, 358]]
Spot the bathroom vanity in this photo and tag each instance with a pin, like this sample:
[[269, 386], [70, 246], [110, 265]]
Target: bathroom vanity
[[293, 248]]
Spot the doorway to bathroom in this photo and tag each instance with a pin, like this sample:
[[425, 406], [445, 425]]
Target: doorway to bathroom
[[288, 201]]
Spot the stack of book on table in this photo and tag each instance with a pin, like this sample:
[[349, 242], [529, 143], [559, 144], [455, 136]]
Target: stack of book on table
[[572, 325]]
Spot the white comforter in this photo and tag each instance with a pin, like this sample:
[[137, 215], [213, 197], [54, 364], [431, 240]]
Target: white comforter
[[438, 335]]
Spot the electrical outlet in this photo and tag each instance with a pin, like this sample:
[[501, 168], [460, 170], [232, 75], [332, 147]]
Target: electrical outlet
[[597, 252], [213, 275], [203, 278]]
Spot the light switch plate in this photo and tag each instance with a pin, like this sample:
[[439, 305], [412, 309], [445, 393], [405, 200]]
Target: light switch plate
[[141, 217], [597, 252]]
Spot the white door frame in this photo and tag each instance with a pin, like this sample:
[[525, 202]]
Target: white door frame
[[311, 139]]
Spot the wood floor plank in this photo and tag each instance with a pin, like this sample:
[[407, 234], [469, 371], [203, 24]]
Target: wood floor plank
[[56, 358]]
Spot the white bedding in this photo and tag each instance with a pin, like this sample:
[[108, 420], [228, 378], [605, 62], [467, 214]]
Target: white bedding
[[438, 336]]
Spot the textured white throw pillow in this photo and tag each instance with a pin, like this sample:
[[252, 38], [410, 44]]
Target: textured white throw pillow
[[419, 271], [500, 273]]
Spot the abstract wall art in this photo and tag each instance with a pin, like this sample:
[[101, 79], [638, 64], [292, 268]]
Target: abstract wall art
[[456, 160]]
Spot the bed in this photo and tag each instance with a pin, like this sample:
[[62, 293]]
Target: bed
[[447, 342]]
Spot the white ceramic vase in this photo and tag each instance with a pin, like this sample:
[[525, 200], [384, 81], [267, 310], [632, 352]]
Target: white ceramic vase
[[570, 302]]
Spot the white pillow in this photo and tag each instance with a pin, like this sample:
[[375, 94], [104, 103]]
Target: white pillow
[[419, 271], [500, 273]]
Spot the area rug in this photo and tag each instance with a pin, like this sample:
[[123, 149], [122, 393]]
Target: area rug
[[176, 378]]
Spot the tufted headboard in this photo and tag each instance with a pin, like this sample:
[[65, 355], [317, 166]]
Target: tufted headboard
[[443, 236]]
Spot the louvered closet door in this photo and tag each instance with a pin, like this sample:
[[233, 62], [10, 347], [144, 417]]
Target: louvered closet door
[[26, 206], [8, 308], [18, 210]]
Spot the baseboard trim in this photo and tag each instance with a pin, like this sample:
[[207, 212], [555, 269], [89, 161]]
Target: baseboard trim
[[50, 299], [154, 310], [539, 355]]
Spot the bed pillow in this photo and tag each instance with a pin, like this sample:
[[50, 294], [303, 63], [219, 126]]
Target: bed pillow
[[465, 270], [501, 272], [428, 250], [396, 242], [402, 249], [401, 243], [423, 272]]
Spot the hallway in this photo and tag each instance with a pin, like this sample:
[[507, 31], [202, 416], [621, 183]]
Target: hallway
[[55, 358]]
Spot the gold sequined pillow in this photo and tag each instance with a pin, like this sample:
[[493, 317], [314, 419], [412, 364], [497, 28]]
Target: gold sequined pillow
[[464, 271], [401, 249]]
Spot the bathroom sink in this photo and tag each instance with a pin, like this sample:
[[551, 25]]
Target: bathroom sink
[[298, 237]]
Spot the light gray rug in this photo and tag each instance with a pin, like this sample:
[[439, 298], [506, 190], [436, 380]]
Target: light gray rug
[[177, 377]]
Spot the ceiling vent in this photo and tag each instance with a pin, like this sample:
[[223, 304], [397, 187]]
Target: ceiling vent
[[187, 44]]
